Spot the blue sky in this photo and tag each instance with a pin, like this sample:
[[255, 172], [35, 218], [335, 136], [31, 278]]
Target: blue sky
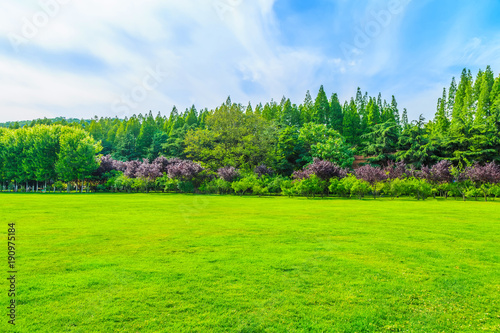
[[78, 58]]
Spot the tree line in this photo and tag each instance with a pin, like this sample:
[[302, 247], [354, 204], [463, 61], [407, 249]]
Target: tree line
[[321, 177], [284, 137]]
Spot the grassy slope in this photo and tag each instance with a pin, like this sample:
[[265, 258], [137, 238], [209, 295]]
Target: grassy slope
[[175, 263]]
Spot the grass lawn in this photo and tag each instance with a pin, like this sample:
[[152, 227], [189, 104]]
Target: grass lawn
[[183, 263]]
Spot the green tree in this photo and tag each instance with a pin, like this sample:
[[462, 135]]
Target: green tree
[[41, 150], [306, 109], [336, 117], [290, 114], [146, 135], [373, 113], [290, 153], [321, 108], [192, 117], [326, 144], [231, 138], [381, 143], [351, 123], [77, 155], [441, 120]]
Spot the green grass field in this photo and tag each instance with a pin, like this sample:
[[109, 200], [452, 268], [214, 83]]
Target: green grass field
[[183, 263]]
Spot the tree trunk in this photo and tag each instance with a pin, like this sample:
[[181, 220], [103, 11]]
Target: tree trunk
[[68, 187]]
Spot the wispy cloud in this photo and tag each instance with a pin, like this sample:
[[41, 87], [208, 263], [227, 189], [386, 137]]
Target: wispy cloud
[[91, 53]]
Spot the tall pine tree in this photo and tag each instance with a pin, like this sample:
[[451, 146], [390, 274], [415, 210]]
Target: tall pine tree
[[336, 116]]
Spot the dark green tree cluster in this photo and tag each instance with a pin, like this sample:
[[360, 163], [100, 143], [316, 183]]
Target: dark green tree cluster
[[465, 128]]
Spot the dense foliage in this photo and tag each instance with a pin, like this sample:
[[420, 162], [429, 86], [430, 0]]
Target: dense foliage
[[237, 149]]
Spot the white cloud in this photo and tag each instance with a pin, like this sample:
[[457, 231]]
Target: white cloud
[[209, 48]]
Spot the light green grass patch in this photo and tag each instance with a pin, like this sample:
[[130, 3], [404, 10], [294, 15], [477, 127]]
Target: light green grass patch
[[184, 263]]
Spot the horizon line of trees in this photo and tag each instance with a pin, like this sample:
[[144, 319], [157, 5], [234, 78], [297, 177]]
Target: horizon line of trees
[[283, 136]]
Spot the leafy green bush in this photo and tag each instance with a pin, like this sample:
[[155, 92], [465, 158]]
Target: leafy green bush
[[419, 188], [245, 184], [495, 191], [311, 186], [216, 186], [360, 188], [259, 190], [171, 185], [273, 184], [287, 187], [186, 186], [349, 186], [396, 188]]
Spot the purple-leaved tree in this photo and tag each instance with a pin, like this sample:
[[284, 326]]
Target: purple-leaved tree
[[184, 170], [372, 175], [263, 170], [228, 173], [483, 176], [395, 170], [322, 169], [131, 168]]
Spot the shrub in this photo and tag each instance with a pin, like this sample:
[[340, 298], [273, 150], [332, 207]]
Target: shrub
[[322, 169], [273, 184], [185, 186], [139, 184], [209, 187], [228, 174], [259, 190], [245, 184], [495, 191], [396, 188], [360, 188], [286, 187], [263, 170], [310, 186], [419, 188], [372, 175], [171, 185]]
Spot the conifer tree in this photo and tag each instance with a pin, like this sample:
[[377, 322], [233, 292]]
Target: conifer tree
[[395, 111], [379, 103], [192, 116], [477, 84], [336, 116], [462, 99], [258, 109], [404, 119], [452, 92], [306, 109], [373, 113], [321, 108], [146, 134], [483, 105], [351, 123], [441, 121], [291, 114], [249, 110]]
